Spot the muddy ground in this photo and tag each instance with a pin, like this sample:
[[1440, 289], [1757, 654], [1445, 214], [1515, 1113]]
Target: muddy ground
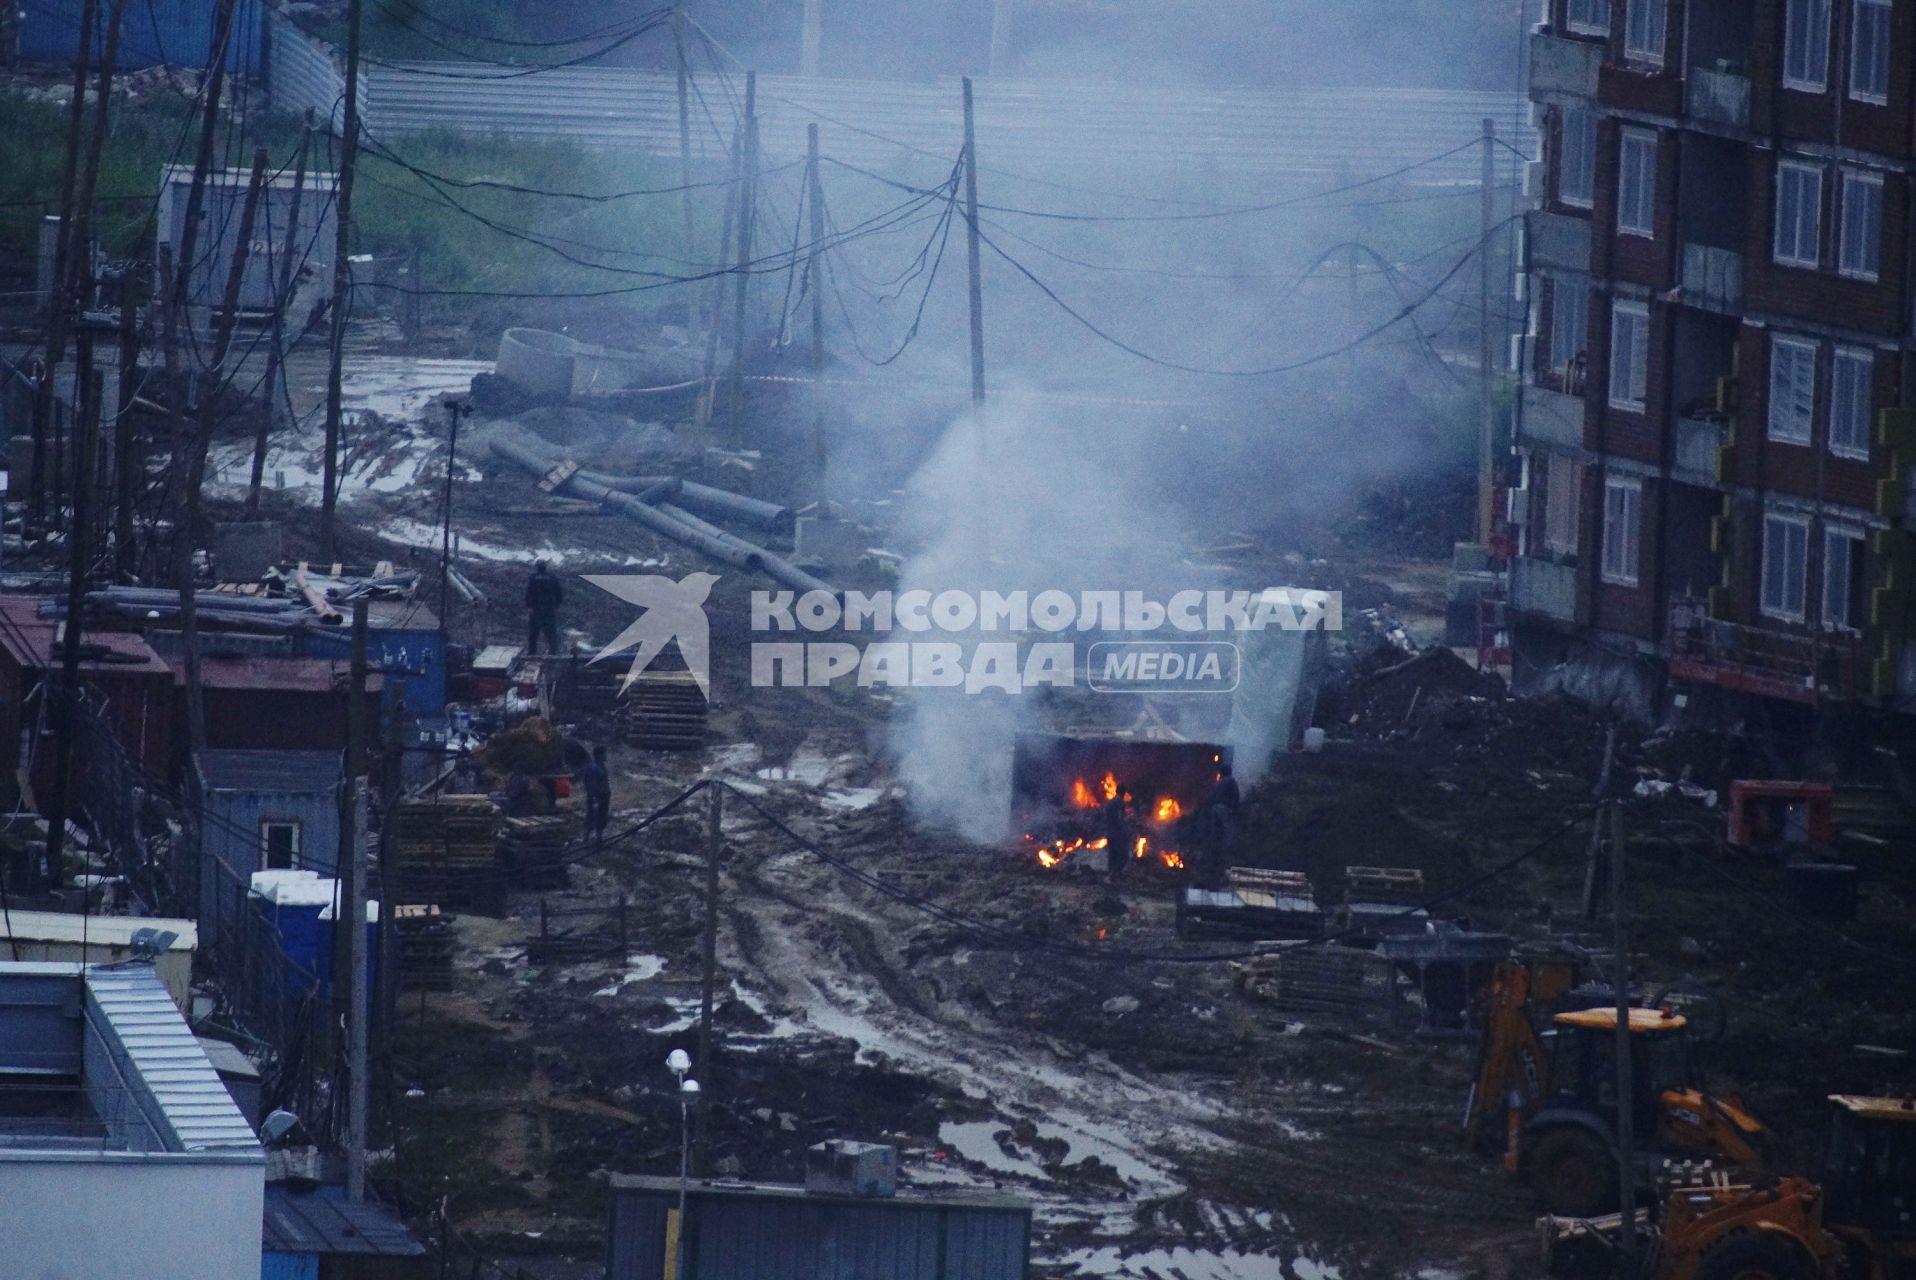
[[1163, 1122]]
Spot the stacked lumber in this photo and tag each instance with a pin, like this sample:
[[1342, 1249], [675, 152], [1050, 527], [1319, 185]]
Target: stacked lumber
[[534, 851], [665, 711], [424, 939], [581, 688], [444, 851], [1311, 981]]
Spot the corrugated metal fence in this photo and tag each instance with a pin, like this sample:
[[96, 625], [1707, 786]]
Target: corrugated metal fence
[[1034, 126]]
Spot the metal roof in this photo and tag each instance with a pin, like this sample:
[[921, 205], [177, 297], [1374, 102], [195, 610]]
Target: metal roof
[[191, 1110], [285, 772], [315, 1222], [988, 1200], [33, 642], [1903, 1109]]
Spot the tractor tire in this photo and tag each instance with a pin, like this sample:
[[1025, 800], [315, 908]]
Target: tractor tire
[[1751, 1255], [1573, 1173]]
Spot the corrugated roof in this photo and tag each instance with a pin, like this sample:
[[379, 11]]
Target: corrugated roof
[[32, 641], [104, 931], [287, 772], [269, 673], [312, 1222], [193, 1104]]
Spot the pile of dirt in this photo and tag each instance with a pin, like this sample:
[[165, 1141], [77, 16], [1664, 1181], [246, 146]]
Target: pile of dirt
[[1389, 694], [532, 747]]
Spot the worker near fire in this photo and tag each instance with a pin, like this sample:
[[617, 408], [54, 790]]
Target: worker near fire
[[543, 598], [1221, 811], [1117, 833], [598, 796]]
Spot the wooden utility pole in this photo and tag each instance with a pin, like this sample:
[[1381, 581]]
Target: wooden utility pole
[[814, 268], [349, 921], [708, 377], [59, 301], [276, 396], [714, 850], [127, 467], [342, 282], [747, 200], [977, 293], [811, 37], [455, 410], [1626, 1143], [685, 124], [1487, 429], [96, 145], [187, 531], [67, 713]]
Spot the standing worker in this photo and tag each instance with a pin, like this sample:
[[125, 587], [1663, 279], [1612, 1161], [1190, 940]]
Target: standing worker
[[1221, 814], [598, 796], [543, 597]]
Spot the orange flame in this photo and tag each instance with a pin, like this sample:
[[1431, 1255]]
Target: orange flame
[[1081, 795], [1175, 861], [1109, 786], [1143, 844], [1169, 810]]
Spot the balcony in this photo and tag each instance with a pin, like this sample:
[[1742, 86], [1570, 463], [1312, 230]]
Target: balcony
[[1719, 97], [1698, 440], [1558, 240], [1713, 277], [1551, 417], [1544, 588], [1560, 65]]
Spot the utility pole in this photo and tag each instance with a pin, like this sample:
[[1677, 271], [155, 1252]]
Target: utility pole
[[455, 410], [685, 122], [58, 302], [1626, 1144], [126, 441], [1486, 440], [971, 250], [342, 282], [708, 377], [810, 37], [67, 713], [90, 172], [282, 298], [714, 849], [349, 922], [813, 269], [747, 199]]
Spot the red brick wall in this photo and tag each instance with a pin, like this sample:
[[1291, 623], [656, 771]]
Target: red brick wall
[[1626, 610], [1639, 88], [1620, 431], [1792, 468], [1823, 295]]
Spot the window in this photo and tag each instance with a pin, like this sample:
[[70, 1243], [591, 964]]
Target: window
[[1577, 161], [1622, 508], [1850, 397], [1792, 389], [1588, 17], [1799, 214], [1637, 183], [1643, 31], [1860, 231], [1786, 545], [1629, 354], [1845, 605], [1562, 504], [1569, 321], [1806, 45], [1869, 52], [280, 843]]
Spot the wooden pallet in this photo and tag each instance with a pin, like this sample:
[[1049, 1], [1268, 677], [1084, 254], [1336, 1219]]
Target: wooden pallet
[[1371, 884], [1321, 981], [535, 851], [665, 711], [425, 940]]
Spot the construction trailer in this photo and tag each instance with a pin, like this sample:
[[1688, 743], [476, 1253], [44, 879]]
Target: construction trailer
[[259, 811]]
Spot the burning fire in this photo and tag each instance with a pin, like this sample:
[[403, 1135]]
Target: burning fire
[[1169, 810], [1052, 852], [1085, 794]]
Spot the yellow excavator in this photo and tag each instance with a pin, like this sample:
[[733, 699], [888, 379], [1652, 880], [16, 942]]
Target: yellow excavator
[[1859, 1224], [1548, 1096]]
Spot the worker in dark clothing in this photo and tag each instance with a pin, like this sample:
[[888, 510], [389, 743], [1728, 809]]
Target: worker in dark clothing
[[543, 597], [598, 796], [518, 794], [1117, 834], [1222, 813]]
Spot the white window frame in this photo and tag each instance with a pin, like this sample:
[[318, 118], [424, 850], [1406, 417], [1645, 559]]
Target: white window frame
[[1595, 23], [1580, 160], [1880, 64], [1637, 155], [1569, 319], [1792, 527], [1852, 400], [1806, 45], [1787, 234], [1793, 428], [1634, 389], [1859, 250], [1646, 31], [297, 826], [1562, 504], [1622, 530], [1847, 536]]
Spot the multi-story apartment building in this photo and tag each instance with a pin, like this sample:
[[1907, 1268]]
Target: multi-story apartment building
[[1710, 498]]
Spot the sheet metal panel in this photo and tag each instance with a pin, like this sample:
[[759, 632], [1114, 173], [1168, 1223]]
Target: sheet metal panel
[[159, 1066], [156, 33]]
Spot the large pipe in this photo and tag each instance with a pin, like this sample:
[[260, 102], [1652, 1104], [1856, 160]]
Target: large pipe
[[704, 499], [716, 543]]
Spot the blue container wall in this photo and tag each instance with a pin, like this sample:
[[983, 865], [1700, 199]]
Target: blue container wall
[[229, 836], [155, 33], [288, 1266], [415, 657]]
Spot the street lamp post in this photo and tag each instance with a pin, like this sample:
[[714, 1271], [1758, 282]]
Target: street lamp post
[[679, 1063]]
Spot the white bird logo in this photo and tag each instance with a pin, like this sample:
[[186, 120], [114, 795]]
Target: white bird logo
[[673, 611]]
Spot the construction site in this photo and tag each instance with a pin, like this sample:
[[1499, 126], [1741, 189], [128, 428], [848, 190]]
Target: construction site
[[982, 655]]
